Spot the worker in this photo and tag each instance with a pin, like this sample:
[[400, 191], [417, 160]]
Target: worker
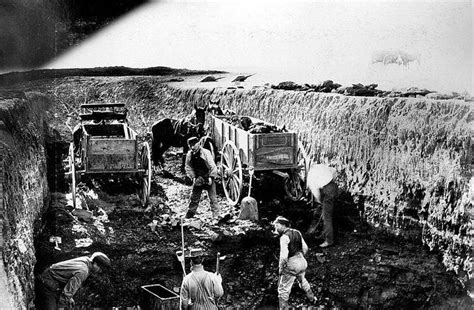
[[59, 282], [200, 168], [292, 264], [328, 198], [323, 186], [200, 289]]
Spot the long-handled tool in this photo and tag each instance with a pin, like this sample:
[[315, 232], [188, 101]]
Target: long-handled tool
[[217, 262], [180, 254], [249, 207]]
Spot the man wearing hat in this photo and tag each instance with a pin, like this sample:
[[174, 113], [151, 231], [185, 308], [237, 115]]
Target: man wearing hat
[[59, 282], [200, 168], [292, 264], [200, 289]]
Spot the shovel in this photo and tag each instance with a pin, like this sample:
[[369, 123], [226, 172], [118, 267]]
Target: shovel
[[249, 208], [180, 254]]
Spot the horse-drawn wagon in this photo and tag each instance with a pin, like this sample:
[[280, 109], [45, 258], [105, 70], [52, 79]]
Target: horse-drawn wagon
[[104, 146], [244, 152]]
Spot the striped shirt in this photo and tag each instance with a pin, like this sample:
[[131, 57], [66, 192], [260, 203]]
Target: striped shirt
[[200, 290]]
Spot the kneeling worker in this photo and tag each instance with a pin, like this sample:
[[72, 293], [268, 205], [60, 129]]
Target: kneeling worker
[[59, 282], [200, 289]]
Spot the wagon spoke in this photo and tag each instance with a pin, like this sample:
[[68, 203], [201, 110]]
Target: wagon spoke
[[224, 165], [226, 157], [234, 161], [231, 189], [236, 179], [236, 190]]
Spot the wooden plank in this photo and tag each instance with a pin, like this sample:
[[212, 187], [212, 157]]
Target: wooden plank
[[107, 162], [273, 158], [102, 105], [111, 146]]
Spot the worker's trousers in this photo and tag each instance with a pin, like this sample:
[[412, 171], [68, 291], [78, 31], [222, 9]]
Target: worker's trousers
[[48, 291], [196, 197], [295, 269], [328, 197]]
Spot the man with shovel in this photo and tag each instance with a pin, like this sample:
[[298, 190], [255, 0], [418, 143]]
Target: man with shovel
[[200, 289], [59, 282], [292, 264], [325, 190], [200, 168]]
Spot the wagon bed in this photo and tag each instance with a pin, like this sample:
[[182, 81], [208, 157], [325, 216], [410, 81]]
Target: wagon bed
[[278, 152], [105, 146]]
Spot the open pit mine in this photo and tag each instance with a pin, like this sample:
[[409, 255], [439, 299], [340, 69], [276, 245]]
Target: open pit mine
[[403, 216]]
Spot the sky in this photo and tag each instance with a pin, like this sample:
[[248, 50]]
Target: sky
[[302, 41]]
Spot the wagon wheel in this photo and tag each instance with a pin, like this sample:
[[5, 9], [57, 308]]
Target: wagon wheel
[[72, 171], [295, 184], [231, 172], [145, 179]]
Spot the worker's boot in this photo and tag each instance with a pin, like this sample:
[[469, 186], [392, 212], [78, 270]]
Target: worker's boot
[[282, 304]]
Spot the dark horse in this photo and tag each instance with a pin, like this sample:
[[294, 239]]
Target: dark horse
[[172, 132]]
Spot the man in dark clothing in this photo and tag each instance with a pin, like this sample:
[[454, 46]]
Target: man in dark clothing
[[201, 168], [292, 264], [200, 289], [59, 282]]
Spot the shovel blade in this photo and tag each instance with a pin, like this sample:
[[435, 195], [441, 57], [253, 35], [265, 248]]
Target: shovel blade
[[248, 209]]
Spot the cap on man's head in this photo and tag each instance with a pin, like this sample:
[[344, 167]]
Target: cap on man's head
[[282, 220], [101, 259], [192, 140]]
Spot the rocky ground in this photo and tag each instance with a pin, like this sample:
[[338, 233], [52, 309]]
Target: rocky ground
[[365, 269]]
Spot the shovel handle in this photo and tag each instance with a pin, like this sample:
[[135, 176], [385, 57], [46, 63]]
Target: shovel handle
[[251, 171], [217, 262], [183, 263]]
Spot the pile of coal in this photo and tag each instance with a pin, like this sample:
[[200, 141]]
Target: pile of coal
[[288, 85], [360, 90], [327, 86], [246, 123]]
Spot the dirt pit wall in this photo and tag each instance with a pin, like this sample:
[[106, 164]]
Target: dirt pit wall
[[407, 162], [24, 187]]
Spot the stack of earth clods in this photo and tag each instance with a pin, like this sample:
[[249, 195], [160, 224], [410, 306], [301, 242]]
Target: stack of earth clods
[[369, 90]]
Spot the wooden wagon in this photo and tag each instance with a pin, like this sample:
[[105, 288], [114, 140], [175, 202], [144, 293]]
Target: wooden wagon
[[105, 146], [243, 153]]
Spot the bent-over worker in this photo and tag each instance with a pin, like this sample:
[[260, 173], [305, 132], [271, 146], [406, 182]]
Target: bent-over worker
[[200, 168], [292, 264], [328, 198], [200, 289], [58, 283]]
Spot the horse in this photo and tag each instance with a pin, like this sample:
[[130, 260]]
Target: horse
[[169, 132], [175, 132], [197, 116]]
